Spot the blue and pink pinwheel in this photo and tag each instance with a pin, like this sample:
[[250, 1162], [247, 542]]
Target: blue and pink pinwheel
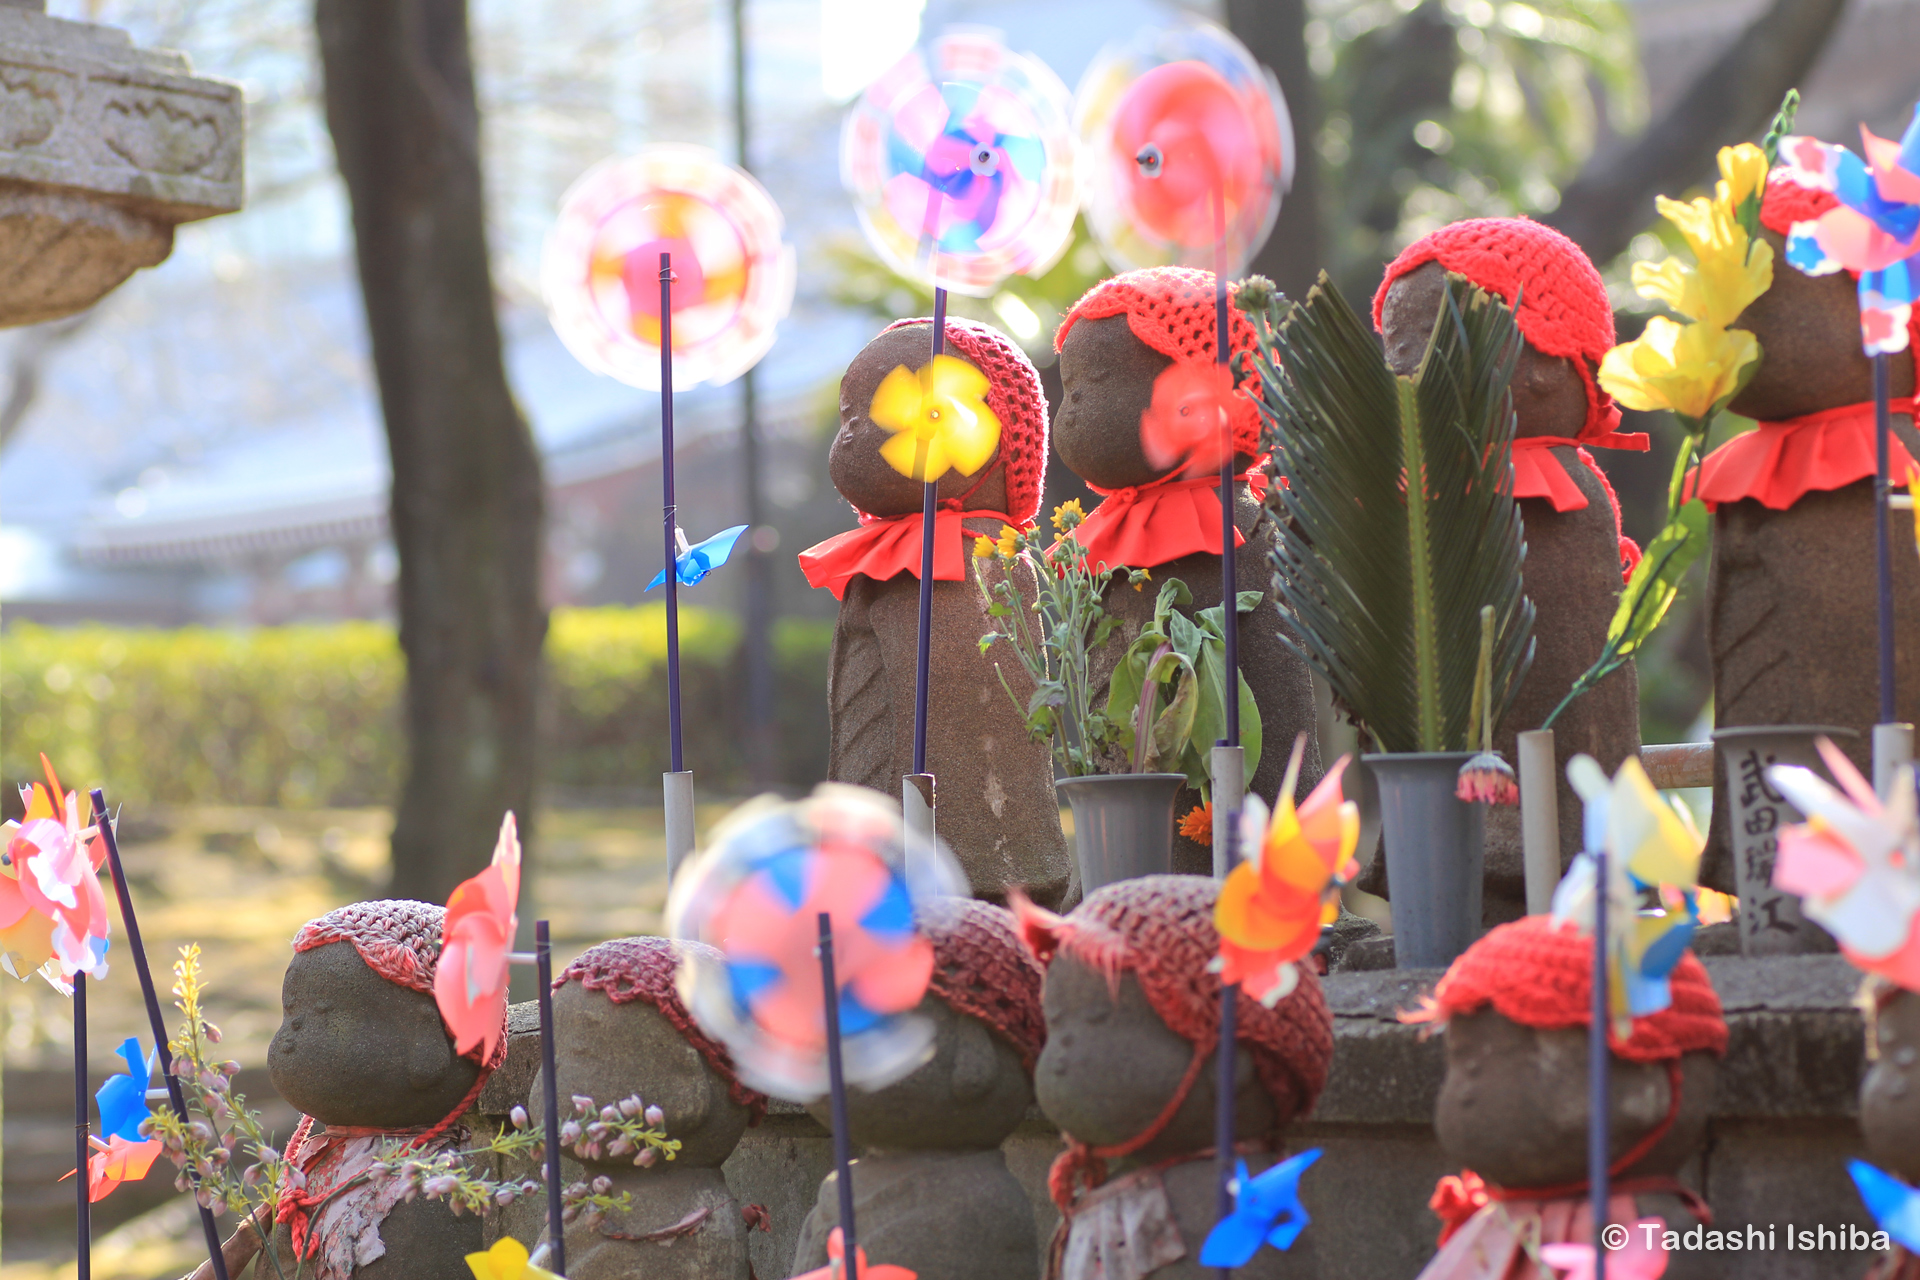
[[755, 894], [1874, 232], [961, 164], [694, 562], [121, 1153], [1895, 1206]]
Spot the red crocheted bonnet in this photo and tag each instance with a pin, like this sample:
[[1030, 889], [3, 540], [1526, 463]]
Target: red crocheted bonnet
[[1171, 309], [1562, 310], [628, 969], [1539, 973], [981, 968], [1787, 202], [1016, 398], [1160, 929]]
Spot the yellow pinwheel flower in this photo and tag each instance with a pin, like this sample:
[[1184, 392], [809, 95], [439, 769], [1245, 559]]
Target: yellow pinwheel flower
[[939, 419], [1743, 174], [1689, 369], [507, 1260], [1724, 276]]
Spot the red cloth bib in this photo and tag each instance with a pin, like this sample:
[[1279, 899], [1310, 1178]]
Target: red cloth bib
[[885, 545], [1151, 524], [1781, 462]]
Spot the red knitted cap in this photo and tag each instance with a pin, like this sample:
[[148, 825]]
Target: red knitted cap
[[628, 969], [1171, 309], [1016, 398], [1160, 928], [1562, 308], [1787, 202], [397, 937], [981, 968], [1539, 973]]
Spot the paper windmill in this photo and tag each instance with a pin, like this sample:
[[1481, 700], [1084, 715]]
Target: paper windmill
[[733, 278], [507, 1260], [1895, 1206], [1651, 845], [1266, 1210], [1855, 863], [116, 1161], [123, 1099], [1643, 1257], [1186, 422], [1875, 230], [470, 982], [1188, 148], [1274, 902], [837, 1264], [939, 419], [53, 915], [756, 894], [963, 173], [695, 562]]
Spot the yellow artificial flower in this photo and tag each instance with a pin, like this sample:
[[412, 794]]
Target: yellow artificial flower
[[1688, 369], [1067, 516], [1913, 487], [1009, 544], [939, 419], [1743, 174], [507, 1260], [1724, 277], [983, 547]]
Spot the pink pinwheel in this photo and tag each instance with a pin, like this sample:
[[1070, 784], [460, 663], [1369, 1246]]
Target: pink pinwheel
[[1187, 421], [53, 915], [1874, 232], [1855, 863], [1643, 1257], [470, 984]]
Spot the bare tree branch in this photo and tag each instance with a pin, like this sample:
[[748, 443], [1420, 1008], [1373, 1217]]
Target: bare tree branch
[[1610, 202], [31, 351]]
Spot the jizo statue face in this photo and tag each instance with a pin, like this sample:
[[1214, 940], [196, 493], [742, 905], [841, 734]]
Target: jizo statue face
[[356, 1049], [1890, 1098], [858, 471]]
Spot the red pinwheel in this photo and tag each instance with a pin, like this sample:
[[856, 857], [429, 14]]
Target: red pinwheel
[[837, 1264], [756, 895], [470, 982], [1187, 421]]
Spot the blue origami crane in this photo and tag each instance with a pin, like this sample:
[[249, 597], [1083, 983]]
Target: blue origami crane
[[1893, 1204], [695, 562], [123, 1099], [1265, 1209]]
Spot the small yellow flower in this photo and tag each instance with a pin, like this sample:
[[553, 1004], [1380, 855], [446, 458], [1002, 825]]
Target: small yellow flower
[[1009, 544], [939, 418], [1688, 369], [1067, 516], [1743, 174], [507, 1260], [1141, 579], [1723, 278], [983, 547]]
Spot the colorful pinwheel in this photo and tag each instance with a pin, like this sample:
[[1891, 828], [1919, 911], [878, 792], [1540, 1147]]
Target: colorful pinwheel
[[1855, 863], [939, 419], [695, 562], [1895, 1206], [1185, 425], [1188, 146], [1875, 230], [123, 1099], [53, 916], [1266, 1210], [507, 1260], [1651, 845], [837, 1264], [1274, 902], [470, 982], [963, 174], [116, 1161], [756, 894], [733, 278], [1642, 1257]]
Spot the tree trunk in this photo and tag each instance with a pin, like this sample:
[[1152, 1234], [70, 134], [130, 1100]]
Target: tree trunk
[[1274, 31], [466, 505]]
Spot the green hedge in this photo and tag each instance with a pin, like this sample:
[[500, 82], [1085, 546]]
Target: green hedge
[[310, 715]]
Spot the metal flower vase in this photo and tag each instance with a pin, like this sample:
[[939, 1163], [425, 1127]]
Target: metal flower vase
[[1435, 846], [1122, 825]]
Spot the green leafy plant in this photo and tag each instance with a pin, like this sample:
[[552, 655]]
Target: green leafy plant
[[1167, 696], [1397, 523]]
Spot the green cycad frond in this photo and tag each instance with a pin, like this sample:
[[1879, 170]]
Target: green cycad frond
[[1386, 580]]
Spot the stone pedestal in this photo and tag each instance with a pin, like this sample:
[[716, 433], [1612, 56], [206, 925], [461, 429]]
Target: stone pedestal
[[104, 149]]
